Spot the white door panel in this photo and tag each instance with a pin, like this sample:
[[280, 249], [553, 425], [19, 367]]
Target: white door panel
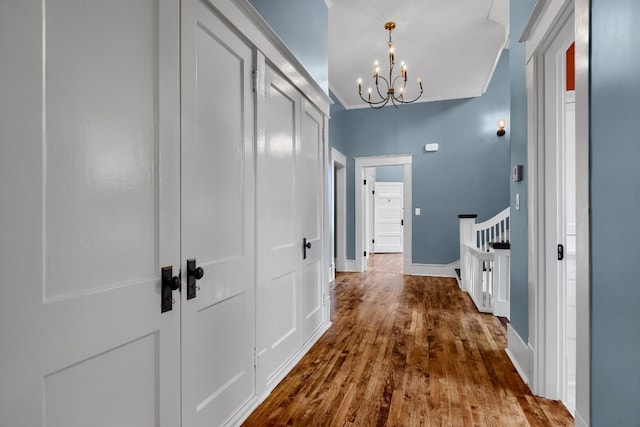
[[279, 225], [217, 218], [310, 194], [83, 336]]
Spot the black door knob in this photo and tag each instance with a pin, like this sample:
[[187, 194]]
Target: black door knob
[[198, 273], [174, 283]]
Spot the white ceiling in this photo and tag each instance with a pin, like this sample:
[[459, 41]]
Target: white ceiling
[[453, 45]]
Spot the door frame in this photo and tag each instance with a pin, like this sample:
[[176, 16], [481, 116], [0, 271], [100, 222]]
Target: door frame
[[361, 163], [339, 213], [542, 29]]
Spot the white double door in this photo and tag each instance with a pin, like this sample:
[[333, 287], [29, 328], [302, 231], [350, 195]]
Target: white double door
[[290, 223], [119, 158]]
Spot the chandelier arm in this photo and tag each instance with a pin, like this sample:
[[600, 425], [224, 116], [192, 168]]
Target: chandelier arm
[[379, 106], [372, 103], [413, 100]]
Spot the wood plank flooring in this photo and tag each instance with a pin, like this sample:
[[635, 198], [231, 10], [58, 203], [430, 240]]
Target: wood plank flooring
[[406, 351]]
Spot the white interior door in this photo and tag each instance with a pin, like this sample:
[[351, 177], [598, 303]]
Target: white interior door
[[310, 179], [389, 217], [90, 213], [280, 242], [217, 218]]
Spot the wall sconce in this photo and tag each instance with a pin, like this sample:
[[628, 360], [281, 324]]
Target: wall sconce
[[501, 125]]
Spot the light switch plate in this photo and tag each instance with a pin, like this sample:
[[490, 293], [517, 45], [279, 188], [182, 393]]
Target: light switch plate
[[517, 201], [417, 211]]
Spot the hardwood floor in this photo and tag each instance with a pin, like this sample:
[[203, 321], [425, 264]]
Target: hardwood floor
[[406, 351]]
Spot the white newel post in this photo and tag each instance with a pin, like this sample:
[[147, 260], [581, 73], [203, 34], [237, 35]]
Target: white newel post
[[501, 276], [467, 237]]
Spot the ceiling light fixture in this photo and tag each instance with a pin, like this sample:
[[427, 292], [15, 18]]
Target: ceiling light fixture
[[391, 83]]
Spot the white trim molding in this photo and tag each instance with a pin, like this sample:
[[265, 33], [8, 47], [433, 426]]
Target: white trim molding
[[550, 11], [533, 20], [521, 354], [583, 314], [436, 270]]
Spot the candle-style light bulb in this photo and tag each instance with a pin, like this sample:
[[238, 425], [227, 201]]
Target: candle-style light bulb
[[360, 86], [369, 94]]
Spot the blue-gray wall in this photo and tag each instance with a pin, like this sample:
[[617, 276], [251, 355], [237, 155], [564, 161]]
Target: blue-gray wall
[[390, 174], [337, 125], [615, 206], [517, 132], [469, 174], [303, 26]]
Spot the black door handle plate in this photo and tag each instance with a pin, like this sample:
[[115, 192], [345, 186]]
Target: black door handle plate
[[168, 284], [193, 273]]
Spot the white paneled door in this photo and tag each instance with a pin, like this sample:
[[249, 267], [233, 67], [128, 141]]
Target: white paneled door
[[310, 175], [279, 238], [217, 219], [389, 217], [290, 238], [90, 213]]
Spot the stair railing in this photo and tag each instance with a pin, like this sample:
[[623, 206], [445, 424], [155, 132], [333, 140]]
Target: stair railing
[[484, 262]]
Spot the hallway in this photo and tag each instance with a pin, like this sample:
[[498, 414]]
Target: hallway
[[406, 351]]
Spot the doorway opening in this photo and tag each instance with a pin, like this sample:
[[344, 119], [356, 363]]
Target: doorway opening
[[363, 197], [338, 213], [556, 198]]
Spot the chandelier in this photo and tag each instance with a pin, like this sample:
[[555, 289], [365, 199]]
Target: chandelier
[[388, 93]]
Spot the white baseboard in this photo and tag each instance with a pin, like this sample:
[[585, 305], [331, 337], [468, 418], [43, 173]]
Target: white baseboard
[[360, 264], [580, 422], [520, 354], [275, 379], [437, 270], [346, 266], [332, 273]]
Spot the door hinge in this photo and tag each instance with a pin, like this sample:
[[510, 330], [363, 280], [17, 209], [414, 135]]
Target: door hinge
[[255, 357], [365, 182], [324, 299], [402, 222], [373, 240], [365, 253], [373, 192], [560, 252], [255, 81]]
